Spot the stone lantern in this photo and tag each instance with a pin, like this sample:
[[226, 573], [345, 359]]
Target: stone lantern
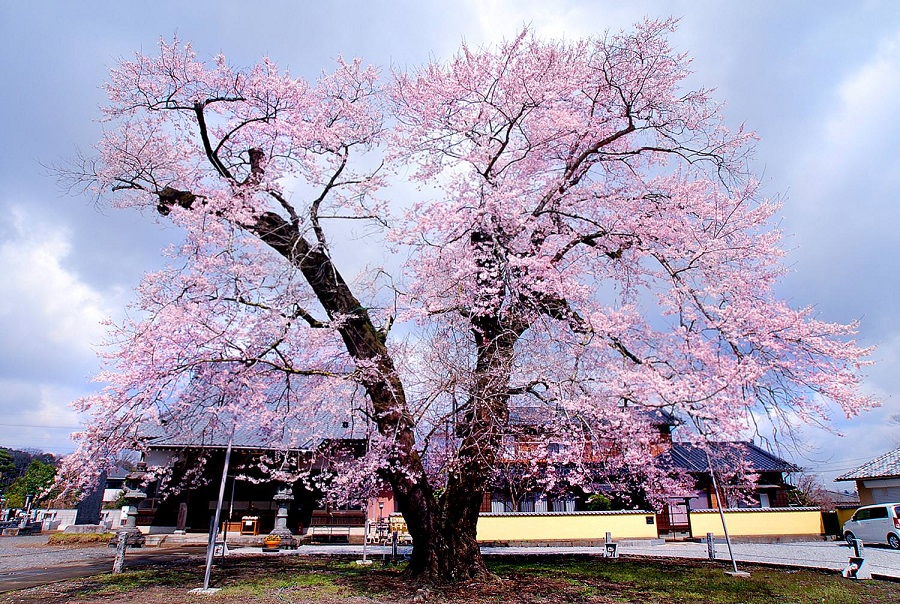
[[133, 496], [283, 498]]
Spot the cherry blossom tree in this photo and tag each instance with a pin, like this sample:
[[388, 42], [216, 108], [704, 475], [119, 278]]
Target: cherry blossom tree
[[587, 242]]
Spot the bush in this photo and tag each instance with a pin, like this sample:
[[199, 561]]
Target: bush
[[598, 503], [78, 538]]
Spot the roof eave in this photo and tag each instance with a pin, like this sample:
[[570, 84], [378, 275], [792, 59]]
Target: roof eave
[[233, 447], [847, 478]]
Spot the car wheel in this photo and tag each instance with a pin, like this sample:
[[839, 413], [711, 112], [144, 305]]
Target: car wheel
[[849, 537], [894, 541]]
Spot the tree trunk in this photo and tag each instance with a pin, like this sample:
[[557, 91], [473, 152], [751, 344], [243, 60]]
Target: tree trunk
[[450, 553]]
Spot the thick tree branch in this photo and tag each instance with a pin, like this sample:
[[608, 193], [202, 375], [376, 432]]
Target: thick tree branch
[[207, 146]]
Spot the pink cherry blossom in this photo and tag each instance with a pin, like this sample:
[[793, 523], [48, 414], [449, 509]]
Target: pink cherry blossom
[[588, 244]]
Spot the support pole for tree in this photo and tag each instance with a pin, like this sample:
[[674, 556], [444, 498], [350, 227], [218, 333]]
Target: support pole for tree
[[721, 513], [211, 548]]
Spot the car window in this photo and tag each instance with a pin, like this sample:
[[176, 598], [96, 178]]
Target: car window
[[861, 515], [897, 511], [879, 513]]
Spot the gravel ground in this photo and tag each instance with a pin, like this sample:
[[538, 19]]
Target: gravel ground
[[831, 555], [18, 553]]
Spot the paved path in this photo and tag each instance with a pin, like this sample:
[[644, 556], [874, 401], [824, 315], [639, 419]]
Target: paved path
[[28, 561], [32, 551], [832, 555]]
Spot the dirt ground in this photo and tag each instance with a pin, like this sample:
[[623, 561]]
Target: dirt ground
[[254, 580], [331, 581]]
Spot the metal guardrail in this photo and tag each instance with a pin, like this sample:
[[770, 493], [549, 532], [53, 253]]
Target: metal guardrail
[[329, 534]]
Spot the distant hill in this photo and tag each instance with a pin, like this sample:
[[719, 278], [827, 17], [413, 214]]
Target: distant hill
[[21, 458]]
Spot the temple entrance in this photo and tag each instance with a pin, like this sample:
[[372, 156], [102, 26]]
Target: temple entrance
[[674, 520]]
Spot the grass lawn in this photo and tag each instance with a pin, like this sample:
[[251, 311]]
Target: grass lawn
[[290, 579]]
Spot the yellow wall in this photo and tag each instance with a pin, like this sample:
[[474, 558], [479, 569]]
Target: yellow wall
[[844, 514], [593, 526], [566, 527], [761, 522]]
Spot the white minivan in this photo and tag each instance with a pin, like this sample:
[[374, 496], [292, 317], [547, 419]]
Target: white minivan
[[875, 524]]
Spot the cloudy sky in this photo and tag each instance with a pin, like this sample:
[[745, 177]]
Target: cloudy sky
[[818, 81]]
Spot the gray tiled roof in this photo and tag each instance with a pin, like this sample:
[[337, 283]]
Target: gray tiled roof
[[884, 466], [303, 434], [540, 415], [692, 458]]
